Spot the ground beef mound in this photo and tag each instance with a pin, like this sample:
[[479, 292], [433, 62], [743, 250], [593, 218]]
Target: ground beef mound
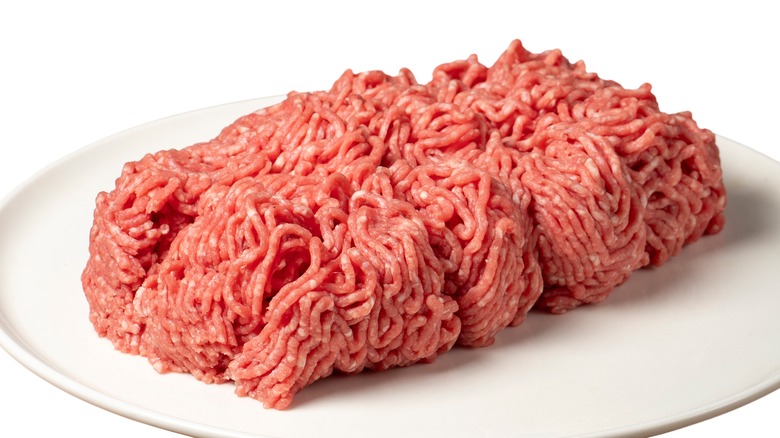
[[381, 222]]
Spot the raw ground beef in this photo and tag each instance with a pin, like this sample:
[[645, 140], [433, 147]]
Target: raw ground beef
[[381, 222]]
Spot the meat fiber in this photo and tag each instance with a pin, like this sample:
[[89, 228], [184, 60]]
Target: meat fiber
[[381, 222]]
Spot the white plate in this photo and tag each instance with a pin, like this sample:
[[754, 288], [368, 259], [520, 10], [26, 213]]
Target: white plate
[[673, 346]]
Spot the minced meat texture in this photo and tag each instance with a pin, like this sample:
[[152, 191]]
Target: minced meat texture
[[381, 222]]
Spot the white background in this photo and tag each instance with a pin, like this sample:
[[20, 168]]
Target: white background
[[74, 72]]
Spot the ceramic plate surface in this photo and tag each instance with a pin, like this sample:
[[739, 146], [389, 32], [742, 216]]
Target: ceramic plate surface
[[672, 346]]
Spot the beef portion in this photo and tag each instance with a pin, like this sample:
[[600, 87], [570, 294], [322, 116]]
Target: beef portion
[[378, 304], [483, 236], [590, 217], [381, 222], [134, 226]]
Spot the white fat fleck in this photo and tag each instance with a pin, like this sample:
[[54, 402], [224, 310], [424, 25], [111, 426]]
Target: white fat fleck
[[417, 221], [301, 209], [592, 168], [424, 195], [515, 198], [311, 284], [594, 259]]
